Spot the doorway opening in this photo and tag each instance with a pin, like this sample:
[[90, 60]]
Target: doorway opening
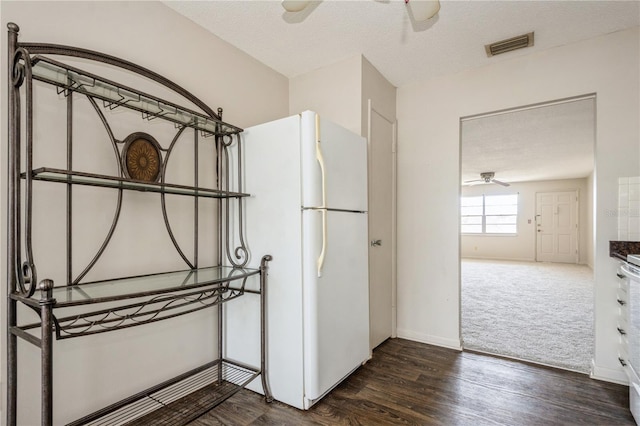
[[381, 136], [526, 265]]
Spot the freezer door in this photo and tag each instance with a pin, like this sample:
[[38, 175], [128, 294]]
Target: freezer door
[[336, 304], [336, 167]]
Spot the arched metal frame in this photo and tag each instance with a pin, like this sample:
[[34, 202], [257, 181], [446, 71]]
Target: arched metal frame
[[23, 62], [114, 222], [189, 295]]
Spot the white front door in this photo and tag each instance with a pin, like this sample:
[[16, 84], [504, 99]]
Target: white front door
[[381, 226], [557, 227]]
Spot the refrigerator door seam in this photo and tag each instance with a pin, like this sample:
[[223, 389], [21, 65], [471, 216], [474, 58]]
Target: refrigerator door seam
[[333, 210]]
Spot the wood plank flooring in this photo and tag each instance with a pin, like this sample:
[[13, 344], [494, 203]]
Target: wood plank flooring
[[409, 383]]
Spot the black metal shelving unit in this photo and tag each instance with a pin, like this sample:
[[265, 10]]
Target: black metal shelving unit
[[78, 308]]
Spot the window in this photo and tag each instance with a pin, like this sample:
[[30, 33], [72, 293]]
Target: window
[[489, 214]]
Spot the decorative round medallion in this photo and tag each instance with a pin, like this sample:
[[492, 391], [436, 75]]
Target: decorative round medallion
[[141, 157]]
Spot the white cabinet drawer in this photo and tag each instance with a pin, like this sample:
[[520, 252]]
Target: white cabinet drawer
[[622, 326], [623, 355], [622, 297], [634, 394]]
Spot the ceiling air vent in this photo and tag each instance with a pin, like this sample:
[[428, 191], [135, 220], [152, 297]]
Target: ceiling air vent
[[509, 44]]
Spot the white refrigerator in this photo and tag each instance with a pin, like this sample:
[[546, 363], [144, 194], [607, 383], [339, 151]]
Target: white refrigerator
[[307, 178]]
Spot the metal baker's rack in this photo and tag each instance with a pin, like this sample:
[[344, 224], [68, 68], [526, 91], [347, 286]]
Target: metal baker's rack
[[78, 308]]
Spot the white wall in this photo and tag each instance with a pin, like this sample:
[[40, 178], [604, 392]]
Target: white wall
[[428, 172], [591, 199], [523, 245], [340, 92], [334, 92], [93, 371]]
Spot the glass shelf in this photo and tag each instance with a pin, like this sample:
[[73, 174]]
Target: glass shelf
[[134, 301], [155, 284], [113, 95], [80, 178], [143, 286]]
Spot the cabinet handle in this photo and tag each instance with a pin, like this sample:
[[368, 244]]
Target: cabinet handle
[[621, 302], [622, 362], [621, 331]]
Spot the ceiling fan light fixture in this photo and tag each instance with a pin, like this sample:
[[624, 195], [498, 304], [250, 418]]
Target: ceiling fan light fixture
[[295, 5], [487, 176], [423, 10]]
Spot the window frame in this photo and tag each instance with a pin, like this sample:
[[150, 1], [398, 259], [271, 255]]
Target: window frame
[[483, 216]]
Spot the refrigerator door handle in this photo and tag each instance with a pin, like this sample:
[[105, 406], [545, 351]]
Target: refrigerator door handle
[[320, 159], [324, 242]]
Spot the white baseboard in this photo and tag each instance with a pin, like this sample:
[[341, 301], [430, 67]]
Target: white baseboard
[[608, 374], [429, 339], [512, 259], [516, 259]]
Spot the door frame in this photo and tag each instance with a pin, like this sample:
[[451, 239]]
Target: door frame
[[394, 215], [591, 255]]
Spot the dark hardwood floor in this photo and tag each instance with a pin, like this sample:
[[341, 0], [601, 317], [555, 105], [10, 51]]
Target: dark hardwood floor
[[416, 384]]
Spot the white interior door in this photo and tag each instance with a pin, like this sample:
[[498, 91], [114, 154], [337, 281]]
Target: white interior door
[[381, 227], [557, 227]]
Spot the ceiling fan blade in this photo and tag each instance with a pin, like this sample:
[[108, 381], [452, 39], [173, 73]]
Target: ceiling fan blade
[[294, 5], [500, 183], [472, 182]]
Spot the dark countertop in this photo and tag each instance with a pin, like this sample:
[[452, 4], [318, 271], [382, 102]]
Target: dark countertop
[[620, 249]]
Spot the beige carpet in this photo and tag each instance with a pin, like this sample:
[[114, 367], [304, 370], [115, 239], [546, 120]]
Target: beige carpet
[[541, 312]]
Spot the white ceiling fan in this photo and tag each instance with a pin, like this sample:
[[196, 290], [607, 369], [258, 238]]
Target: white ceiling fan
[[421, 10], [485, 177]]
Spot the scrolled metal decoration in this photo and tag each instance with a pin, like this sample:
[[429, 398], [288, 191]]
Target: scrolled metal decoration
[[152, 310], [241, 252], [18, 68], [27, 279], [240, 256], [26, 276], [227, 140]]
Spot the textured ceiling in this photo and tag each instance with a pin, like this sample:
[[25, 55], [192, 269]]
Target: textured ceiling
[[333, 30], [555, 141], [543, 143]]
